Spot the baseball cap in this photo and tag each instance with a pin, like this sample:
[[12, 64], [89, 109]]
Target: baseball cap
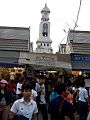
[[4, 81]]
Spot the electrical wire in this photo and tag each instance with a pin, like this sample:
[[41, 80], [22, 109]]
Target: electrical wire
[[78, 14]]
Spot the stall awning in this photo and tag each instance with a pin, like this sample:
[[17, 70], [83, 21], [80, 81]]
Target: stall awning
[[12, 65]]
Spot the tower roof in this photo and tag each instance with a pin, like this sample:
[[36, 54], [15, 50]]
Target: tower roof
[[45, 9]]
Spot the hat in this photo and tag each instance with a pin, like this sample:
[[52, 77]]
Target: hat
[[3, 81]]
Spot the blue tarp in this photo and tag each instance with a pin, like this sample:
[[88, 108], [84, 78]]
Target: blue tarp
[[12, 65]]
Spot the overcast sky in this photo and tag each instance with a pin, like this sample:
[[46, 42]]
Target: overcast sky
[[25, 13]]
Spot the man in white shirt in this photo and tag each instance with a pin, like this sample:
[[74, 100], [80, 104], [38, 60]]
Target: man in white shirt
[[25, 106], [83, 101], [34, 95], [18, 88], [42, 106]]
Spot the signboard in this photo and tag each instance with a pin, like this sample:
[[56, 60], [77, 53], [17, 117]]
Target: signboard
[[44, 60], [83, 58]]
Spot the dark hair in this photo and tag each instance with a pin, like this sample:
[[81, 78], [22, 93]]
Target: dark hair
[[82, 83], [60, 87], [28, 78], [41, 77], [26, 86]]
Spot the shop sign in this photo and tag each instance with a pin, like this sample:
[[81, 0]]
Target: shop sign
[[80, 58], [43, 60]]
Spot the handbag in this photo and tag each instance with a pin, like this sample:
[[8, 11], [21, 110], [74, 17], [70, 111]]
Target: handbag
[[19, 117]]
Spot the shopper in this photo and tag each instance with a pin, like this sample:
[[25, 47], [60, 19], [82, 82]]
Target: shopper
[[18, 88], [24, 108], [83, 101], [6, 98], [40, 88], [59, 108]]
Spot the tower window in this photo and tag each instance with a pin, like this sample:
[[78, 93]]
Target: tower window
[[45, 29], [47, 44], [41, 44], [44, 44]]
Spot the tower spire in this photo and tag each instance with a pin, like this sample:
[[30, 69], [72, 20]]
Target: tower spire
[[46, 2]]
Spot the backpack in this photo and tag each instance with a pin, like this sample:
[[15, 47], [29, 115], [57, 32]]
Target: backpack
[[58, 115]]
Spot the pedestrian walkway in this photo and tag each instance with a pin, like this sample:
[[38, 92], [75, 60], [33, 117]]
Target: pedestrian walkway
[[40, 117]]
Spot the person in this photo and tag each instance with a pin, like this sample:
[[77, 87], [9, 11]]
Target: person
[[25, 106], [34, 95], [59, 108], [6, 98], [69, 97], [40, 88], [54, 93], [12, 87], [34, 92], [83, 101], [88, 117], [18, 87]]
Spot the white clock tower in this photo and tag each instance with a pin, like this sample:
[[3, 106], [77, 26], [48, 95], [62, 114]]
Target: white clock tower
[[44, 41]]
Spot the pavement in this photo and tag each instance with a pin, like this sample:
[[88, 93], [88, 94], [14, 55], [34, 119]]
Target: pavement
[[40, 117]]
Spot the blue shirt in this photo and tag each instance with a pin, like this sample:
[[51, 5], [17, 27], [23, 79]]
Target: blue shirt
[[53, 95]]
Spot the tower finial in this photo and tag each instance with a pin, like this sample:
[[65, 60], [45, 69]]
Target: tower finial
[[46, 2]]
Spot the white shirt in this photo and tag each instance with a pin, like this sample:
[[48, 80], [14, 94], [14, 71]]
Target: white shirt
[[20, 107], [42, 96], [83, 94], [34, 94], [19, 85]]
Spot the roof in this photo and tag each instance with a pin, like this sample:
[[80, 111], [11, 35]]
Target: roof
[[14, 32], [14, 38], [79, 31], [45, 9]]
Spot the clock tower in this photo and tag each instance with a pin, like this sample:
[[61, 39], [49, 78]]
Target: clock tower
[[44, 41]]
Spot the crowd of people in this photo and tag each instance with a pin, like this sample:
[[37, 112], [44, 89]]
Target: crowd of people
[[25, 97]]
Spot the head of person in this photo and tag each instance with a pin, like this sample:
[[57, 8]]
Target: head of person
[[61, 89], [41, 79], [26, 90], [28, 79], [59, 78], [25, 74], [3, 84], [21, 79], [82, 83]]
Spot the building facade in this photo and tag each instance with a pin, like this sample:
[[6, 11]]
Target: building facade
[[78, 46]]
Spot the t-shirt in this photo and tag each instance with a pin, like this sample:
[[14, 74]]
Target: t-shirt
[[34, 94], [83, 94], [42, 93], [20, 107], [53, 95], [66, 109], [19, 85]]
